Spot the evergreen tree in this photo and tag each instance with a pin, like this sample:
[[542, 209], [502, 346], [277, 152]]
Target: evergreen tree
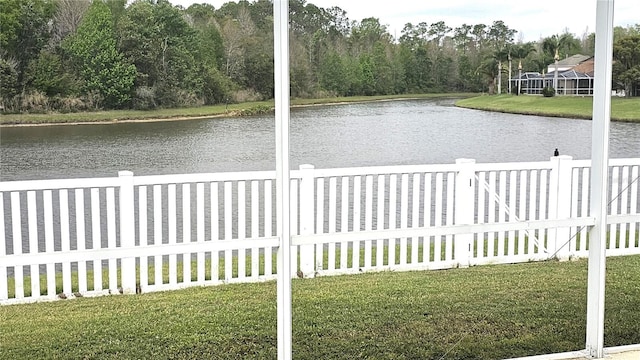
[[95, 56]]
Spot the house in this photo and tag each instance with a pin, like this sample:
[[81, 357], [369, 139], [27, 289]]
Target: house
[[570, 76]]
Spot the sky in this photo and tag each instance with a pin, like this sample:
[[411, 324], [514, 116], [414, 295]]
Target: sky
[[532, 19]]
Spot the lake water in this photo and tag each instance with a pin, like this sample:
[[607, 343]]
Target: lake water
[[346, 135]]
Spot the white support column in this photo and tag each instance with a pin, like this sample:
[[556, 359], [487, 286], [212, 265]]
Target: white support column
[[464, 209], [307, 223], [283, 176], [127, 231], [599, 176]]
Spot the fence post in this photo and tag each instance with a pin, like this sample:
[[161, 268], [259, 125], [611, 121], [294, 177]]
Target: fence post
[[127, 232], [307, 206], [560, 206], [464, 209]]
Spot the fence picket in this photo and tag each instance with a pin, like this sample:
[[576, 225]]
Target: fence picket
[[533, 195], [215, 230], [543, 212], [585, 207], [16, 231], [255, 227], [33, 241], [355, 246], [96, 237], [393, 193], [380, 220], [333, 209], [368, 220], [502, 211], [49, 241], [634, 237], [228, 228], [172, 232], [143, 236], [344, 221], [492, 198], [404, 215], [522, 210], [241, 226], [480, 214], [613, 208], [268, 227], [111, 239], [157, 234], [293, 224], [426, 205], [415, 217], [186, 232], [320, 222], [624, 203], [65, 240], [4, 288], [437, 247], [449, 215], [200, 233], [512, 210], [575, 177]]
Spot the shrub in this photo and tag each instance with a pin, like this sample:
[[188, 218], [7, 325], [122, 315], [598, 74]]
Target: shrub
[[246, 95], [34, 102], [185, 98], [256, 110], [217, 88], [145, 98], [548, 91], [93, 100], [67, 104]]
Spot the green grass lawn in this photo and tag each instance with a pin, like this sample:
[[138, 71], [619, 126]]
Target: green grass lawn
[[485, 312], [446, 250], [197, 112], [622, 109]]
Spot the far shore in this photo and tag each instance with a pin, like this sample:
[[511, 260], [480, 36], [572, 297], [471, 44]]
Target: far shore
[[195, 113], [622, 109]]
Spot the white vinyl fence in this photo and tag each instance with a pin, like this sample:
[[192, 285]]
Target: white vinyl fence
[[128, 234]]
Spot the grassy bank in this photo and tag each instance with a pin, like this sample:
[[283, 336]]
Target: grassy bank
[[488, 312], [622, 109], [195, 112]]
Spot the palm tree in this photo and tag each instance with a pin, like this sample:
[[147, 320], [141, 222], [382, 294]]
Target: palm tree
[[500, 56], [520, 52], [563, 45], [557, 46], [523, 50], [487, 71]]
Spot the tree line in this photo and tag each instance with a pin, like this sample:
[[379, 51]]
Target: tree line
[[77, 55]]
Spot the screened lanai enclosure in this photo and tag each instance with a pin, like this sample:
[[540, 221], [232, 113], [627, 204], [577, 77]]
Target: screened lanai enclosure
[[569, 82]]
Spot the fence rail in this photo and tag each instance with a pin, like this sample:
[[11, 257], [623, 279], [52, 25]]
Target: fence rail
[[128, 234]]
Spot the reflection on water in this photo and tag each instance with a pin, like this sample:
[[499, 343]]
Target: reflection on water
[[380, 133]]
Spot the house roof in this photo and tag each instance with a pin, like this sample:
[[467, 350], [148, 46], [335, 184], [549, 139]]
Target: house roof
[[573, 60], [578, 62], [585, 67]]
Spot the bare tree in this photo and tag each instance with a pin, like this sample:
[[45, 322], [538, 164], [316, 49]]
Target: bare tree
[[236, 34], [67, 19]]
